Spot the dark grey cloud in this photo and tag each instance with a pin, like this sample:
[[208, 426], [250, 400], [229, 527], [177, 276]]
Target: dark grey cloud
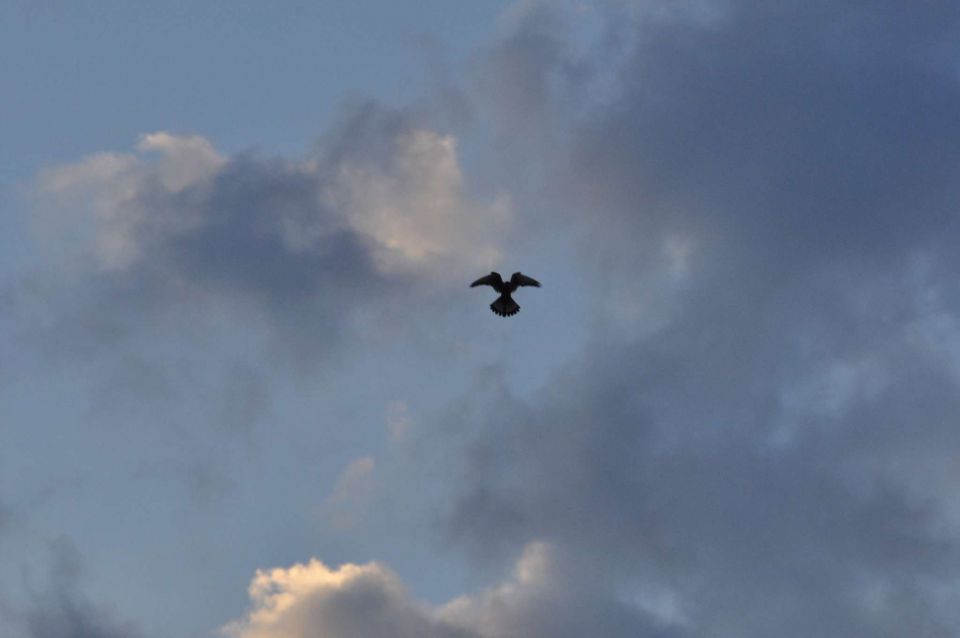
[[759, 438], [789, 131], [809, 130], [744, 533]]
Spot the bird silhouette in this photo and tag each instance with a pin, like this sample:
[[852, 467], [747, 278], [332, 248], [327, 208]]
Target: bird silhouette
[[505, 306]]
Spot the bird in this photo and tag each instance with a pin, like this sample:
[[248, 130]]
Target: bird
[[505, 306]]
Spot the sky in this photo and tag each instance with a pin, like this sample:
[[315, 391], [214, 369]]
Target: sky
[[246, 391]]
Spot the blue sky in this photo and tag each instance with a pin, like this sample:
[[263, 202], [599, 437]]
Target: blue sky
[[246, 391]]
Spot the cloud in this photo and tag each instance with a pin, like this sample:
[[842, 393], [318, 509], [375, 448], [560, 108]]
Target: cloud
[[353, 600], [759, 436], [810, 128], [378, 211], [368, 600], [551, 593], [414, 211], [742, 532]]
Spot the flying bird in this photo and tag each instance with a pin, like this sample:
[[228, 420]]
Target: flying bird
[[505, 306]]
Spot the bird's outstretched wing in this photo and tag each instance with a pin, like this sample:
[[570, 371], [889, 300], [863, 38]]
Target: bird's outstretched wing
[[519, 279], [493, 279]]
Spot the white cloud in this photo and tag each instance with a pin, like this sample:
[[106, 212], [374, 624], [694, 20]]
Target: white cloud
[[409, 207], [312, 601], [414, 209], [184, 160], [312, 248], [544, 597]]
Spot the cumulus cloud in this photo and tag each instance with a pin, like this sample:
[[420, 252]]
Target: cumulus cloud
[[353, 600], [368, 600], [380, 204], [414, 212]]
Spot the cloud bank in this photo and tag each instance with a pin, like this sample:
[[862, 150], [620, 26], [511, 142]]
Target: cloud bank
[[761, 436]]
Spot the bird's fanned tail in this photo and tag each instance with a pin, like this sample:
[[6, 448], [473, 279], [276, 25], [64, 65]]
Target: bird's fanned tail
[[505, 306]]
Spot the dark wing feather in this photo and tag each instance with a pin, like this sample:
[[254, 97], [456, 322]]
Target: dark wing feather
[[493, 279], [519, 279]]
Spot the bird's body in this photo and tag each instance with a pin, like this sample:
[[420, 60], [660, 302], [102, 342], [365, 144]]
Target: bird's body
[[505, 306]]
